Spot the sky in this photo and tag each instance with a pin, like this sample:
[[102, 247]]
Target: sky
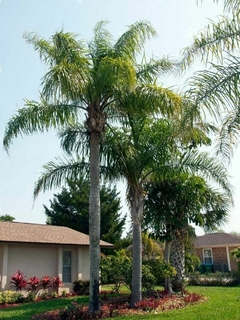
[[176, 21]]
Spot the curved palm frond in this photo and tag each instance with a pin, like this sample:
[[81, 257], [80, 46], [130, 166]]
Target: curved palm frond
[[132, 41], [101, 44], [56, 173], [113, 74], [150, 99], [229, 135], [209, 168], [217, 88], [149, 72], [68, 65], [214, 40], [38, 117], [75, 139]]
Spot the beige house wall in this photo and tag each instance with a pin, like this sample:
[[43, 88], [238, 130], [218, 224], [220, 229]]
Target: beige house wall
[[40, 260]]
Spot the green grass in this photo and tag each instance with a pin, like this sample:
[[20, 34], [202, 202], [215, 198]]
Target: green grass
[[223, 303], [26, 310]]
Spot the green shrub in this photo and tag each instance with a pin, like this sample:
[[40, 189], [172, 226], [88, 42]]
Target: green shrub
[[160, 270], [214, 279], [81, 287], [148, 280], [10, 296], [115, 269]]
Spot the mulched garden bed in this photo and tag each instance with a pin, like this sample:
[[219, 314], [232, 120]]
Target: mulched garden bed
[[118, 306]]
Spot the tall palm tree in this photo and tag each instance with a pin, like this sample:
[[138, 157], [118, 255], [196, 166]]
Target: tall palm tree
[[130, 152], [89, 79]]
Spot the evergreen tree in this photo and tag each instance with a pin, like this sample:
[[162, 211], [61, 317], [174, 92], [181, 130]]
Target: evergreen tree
[[70, 208]]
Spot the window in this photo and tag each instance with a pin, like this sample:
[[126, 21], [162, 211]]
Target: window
[[207, 256], [67, 267]]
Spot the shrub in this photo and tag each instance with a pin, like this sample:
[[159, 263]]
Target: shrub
[[56, 283], [214, 279], [115, 269], [75, 311], [160, 270], [33, 284], [18, 281], [10, 296], [45, 282], [81, 287]]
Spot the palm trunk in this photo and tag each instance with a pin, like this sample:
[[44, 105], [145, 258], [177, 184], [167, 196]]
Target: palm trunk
[[178, 260], [94, 222], [167, 250], [136, 214]]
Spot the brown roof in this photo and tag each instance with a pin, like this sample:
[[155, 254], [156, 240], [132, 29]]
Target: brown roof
[[42, 233], [217, 240]]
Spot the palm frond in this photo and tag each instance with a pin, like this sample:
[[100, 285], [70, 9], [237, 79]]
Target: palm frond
[[150, 99], [217, 88], [58, 172], [229, 135], [150, 71], [74, 139], [68, 65], [38, 117], [209, 168], [101, 44], [132, 41], [113, 74], [214, 40]]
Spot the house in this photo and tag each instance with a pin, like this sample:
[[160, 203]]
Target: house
[[39, 250], [214, 251]]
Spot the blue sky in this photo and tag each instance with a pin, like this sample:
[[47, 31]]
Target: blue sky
[[21, 71]]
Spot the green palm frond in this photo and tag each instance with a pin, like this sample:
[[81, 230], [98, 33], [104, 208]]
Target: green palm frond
[[229, 135], [38, 117], [113, 74], [209, 168], [150, 98], [229, 5], [218, 87], [58, 172], [68, 65], [75, 139], [132, 41], [149, 72], [214, 40], [101, 45]]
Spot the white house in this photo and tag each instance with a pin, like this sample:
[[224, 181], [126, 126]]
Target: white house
[[43, 250]]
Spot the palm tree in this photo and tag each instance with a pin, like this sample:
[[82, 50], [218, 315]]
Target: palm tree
[[89, 79], [172, 204], [216, 89], [130, 152]]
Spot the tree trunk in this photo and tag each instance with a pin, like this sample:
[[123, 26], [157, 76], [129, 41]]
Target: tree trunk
[[178, 259], [167, 283], [136, 214], [94, 222]]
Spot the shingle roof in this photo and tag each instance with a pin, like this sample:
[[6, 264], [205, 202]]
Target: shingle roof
[[42, 233], [217, 239]]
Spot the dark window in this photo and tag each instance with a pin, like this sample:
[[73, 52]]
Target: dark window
[[67, 267]]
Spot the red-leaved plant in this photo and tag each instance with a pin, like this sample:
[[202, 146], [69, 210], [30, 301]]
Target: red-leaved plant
[[45, 282], [18, 281], [56, 283], [33, 283]]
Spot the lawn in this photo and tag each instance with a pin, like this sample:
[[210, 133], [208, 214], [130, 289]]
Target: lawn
[[222, 303]]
